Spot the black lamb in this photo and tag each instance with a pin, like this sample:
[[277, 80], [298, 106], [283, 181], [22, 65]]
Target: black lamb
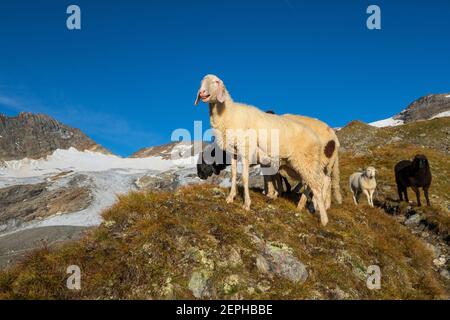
[[415, 174]]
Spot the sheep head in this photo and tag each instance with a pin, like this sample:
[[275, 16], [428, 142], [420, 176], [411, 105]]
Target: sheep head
[[212, 90], [370, 172], [420, 162]]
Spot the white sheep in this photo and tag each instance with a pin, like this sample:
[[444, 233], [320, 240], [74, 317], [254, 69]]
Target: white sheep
[[330, 157], [363, 182], [298, 145]]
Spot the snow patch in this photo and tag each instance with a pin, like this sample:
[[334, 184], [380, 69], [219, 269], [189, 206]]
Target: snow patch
[[442, 114], [87, 161], [389, 122], [107, 186]]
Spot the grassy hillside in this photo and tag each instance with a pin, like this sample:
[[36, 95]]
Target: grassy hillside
[[361, 138], [153, 244], [191, 244], [385, 147]]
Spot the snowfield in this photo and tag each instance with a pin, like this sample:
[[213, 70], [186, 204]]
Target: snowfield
[[442, 114], [389, 122], [109, 176], [74, 160]]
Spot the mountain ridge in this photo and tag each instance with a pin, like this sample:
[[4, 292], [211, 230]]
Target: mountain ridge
[[425, 108], [34, 136]]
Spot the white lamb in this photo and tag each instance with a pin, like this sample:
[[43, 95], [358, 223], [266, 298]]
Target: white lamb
[[363, 182], [298, 145]]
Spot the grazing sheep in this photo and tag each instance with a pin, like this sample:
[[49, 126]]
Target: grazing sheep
[[298, 145], [330, 155], [363, 182], [415, 174]]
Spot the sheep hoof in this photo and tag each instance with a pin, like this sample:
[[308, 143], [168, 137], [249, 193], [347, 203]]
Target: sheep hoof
[[272, 196], [229, 199], [246, 207], [324, 222]]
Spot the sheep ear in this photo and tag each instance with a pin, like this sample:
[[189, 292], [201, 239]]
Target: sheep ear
[[220, 92], [197, 99]]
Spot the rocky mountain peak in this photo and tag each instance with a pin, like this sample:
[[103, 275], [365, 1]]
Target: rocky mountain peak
[[425, 108], [30, 135]]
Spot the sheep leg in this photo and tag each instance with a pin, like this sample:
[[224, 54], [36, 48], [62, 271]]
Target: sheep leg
[[416, 190], [405, 192], [279, 183], [366, 192], [286, 182], [319, 203], [266, 185], [335, 177], [354, 194], [328, 194], [302, 202], [400, 192], [326, 191], [271, 189], [371, 197], [357, 195], [313, 177], [425, 191], [232, 194], [245, 177], [318, 199]]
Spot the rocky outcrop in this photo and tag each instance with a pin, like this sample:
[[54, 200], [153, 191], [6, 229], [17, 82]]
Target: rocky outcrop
[[16, 246], [425, 108], [28, 202], [278, 259], [35, 136]]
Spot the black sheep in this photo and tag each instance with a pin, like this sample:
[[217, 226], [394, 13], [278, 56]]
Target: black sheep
[[415, 174], [205, 169]]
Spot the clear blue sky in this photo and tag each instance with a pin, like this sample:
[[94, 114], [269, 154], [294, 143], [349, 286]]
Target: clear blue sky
[[130, 76]]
